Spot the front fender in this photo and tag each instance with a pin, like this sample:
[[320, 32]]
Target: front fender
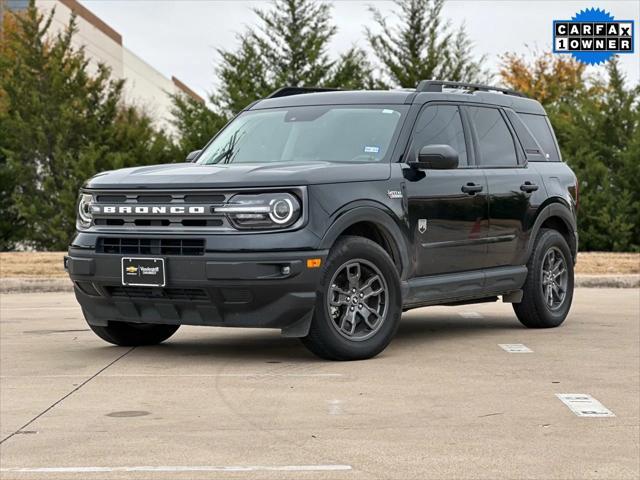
[[376, 214]]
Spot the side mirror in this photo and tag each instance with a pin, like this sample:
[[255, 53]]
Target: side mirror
[[192, 156], [436, 157]]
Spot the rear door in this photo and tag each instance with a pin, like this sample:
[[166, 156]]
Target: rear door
[[501, 159], [447, 208]]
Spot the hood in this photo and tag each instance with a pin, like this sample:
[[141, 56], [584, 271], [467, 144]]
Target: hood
[[190, 175]]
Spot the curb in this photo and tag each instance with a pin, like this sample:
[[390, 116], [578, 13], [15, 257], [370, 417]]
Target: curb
[[35, 285], [607, 281], [62, 284]]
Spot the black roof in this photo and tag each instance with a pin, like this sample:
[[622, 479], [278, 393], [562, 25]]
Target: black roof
[[338, 97], [294, 97]]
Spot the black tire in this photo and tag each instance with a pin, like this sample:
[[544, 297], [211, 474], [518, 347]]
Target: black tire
[[326, 339], [535, 310], [134, 334]]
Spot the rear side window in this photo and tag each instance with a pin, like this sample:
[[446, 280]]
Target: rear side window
[[539, 127], [440, 125], [495, 142]]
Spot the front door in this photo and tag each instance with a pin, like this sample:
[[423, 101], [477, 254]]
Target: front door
[[448, 209]]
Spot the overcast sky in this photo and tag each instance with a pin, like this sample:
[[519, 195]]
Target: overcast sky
[[180, 37]]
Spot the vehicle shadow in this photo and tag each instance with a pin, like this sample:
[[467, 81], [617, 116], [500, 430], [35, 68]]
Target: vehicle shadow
[[260, 345], [431, 328]]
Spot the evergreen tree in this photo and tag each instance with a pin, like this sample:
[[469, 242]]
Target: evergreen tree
[[423, 46], [597, 123], [289, 48], [61, 122], [195, 124], [244, 76]]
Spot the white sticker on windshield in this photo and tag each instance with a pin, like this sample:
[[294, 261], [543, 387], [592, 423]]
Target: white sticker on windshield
[[386, 110], [371, 149]]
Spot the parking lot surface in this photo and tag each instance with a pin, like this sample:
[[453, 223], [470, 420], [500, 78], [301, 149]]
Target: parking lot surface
[[445, 400]]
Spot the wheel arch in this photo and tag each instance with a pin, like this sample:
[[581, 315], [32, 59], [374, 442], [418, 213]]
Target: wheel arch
[[556, 215], [374, 223]]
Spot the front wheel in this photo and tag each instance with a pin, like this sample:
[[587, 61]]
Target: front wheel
[[548, 290], [134, 334], [358, 305]]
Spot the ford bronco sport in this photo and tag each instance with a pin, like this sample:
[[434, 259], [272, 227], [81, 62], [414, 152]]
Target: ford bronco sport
[[326, 214]]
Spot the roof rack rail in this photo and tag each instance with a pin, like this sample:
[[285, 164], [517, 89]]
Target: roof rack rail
[[439, 85], [288, 91]]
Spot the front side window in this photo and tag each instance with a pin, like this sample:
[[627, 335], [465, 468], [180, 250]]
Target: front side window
[[495, 143], [440, 125], [307, 134]]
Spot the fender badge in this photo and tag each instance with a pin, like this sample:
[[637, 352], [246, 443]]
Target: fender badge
[[394, 194], [422, 225]]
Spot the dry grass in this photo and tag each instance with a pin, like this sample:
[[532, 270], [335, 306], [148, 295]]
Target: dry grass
[[598, 263], [49, 264], [31, 264]]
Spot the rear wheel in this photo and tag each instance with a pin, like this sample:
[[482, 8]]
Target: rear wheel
[[358, 304], [548, 291], [134, 334]]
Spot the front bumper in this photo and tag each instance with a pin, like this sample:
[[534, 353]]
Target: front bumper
[[267, 289]]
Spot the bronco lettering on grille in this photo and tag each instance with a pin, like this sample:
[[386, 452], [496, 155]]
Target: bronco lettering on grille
[[148, 210]]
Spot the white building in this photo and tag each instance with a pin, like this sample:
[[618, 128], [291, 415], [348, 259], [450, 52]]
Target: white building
[[145, 87]]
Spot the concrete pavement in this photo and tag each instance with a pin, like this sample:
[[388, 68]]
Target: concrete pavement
[[443, 401]]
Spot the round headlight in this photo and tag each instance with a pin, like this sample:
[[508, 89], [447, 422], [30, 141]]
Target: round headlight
[[262, 210], [281, 210], [84, 209]]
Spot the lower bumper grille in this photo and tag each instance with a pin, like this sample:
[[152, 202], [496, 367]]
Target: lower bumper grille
[[151, 293], [150, 246]]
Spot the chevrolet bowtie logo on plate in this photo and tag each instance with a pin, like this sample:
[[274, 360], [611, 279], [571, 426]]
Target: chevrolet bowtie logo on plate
[[132, 269]]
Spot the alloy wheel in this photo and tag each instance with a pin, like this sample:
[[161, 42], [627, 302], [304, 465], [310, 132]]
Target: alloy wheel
[[357, 300], [555, 278]]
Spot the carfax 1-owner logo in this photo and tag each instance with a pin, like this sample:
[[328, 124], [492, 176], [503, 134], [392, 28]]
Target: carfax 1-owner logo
[[593, 36]]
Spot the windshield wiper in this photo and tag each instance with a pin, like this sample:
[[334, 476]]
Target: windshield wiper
[[225, 154]]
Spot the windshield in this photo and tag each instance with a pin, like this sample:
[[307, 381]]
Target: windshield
[[305, 134]]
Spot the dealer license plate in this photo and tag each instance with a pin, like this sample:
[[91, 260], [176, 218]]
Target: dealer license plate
[[143, 272]]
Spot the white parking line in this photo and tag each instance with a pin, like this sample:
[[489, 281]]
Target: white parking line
[[515, 348], [584, 405], [470, 315], [43, 307], [202, 468], [162, 375], [335, 407]]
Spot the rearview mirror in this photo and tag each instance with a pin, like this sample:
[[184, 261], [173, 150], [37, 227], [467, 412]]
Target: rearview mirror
[[192, 156], [436, 157]]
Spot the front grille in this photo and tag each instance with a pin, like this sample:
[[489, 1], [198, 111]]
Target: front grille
[[153, 211], [151, 293], [150, 246]]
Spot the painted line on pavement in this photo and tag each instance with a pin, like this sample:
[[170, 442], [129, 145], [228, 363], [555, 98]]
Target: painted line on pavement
[[161, 375], [515, 348], [201, 468], [43, 307], [584, 405], [335, 407]]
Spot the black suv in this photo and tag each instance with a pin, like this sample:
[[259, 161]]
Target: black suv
[[326, 214]]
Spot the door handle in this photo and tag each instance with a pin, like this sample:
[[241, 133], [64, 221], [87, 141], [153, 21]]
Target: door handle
[[528, 187], [471, 188]]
